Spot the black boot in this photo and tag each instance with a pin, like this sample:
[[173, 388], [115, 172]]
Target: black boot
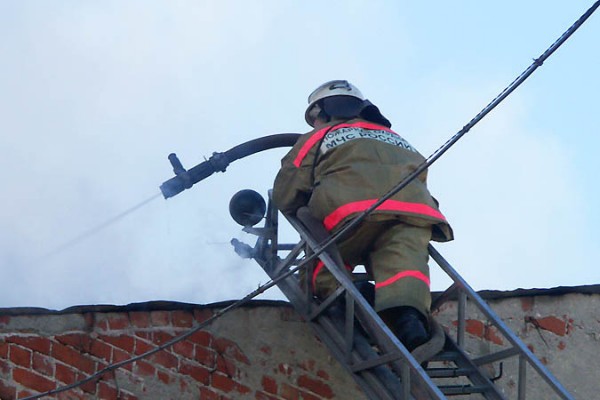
[[408, 324], [367, 289]]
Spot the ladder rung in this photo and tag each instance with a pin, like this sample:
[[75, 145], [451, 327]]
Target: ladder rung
[[448, 372], [455, 390], [446, 356], [387, 358]]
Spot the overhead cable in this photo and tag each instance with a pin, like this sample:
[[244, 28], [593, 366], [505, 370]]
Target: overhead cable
[[403, 183]]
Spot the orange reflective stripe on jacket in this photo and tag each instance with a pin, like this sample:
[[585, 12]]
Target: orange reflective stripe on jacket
[[344, 211], [318, 135]]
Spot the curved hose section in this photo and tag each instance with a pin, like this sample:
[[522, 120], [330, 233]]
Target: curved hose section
[[220, 161]]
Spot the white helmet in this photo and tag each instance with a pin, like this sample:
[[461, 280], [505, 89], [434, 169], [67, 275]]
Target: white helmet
[[329, 89]]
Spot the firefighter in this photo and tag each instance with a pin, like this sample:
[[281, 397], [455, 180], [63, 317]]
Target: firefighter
[[346, 163]]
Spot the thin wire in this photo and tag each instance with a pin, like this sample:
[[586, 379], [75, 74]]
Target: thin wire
[[96, 229], [428, 162]]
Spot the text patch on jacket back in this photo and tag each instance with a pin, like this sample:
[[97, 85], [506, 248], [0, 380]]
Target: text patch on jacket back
[[343, 135]]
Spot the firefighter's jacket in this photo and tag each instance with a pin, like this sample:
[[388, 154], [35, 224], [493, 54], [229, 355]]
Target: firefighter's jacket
[[342, 169]]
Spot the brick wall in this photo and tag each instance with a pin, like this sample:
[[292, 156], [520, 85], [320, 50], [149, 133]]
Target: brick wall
[[263, 353], [560, 326]]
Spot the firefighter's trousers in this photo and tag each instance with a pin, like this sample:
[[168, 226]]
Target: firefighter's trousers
[[394, 254]]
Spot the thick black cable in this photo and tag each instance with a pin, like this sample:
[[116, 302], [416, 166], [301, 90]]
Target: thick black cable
[[403, 183]]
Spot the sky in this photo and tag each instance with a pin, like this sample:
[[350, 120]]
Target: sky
[[95, 95]]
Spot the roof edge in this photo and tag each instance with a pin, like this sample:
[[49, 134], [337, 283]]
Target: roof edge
[[167, 305]]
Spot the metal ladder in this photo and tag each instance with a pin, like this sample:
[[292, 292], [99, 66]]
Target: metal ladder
[[347, 324]]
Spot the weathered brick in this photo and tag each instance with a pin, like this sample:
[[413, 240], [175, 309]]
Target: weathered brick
[[164, 377], [202, 338], [226, 366], [75, 394], [481, 330], [3, 350], [231, 349], [43, 364], [285, 369], [316, 386], [23, 393], [491, 335], [144, 368], [5, 367], [222, 382], [553, 324], [265, 396], [72, 357], [202, 314], [161, 337], [140, 319], [474, 327], [242, 389], [186, 349], [65, 374], [182, 319], [323, 375], [7, 391], [141, 346], [88, 387], [146, 335], [20, 356], [123, 395], [160, 318], [269, 385], [101, 350], [198, 373], [165, 359], [124, 342], [33, 380], [289, 392], [117, 321], [39, 344], [205, 356], [80, 341], [308, 396], [207, 394], [119, 356], [4, 320], [107, 391], [527, 303]]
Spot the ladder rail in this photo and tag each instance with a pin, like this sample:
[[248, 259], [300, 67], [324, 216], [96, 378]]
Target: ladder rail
[[518, 346], [375, 385], [371, 359], [385, 338]]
